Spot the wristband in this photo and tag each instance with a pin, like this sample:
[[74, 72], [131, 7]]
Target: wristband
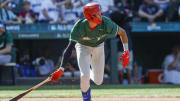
[[125, 46], [61, 68]]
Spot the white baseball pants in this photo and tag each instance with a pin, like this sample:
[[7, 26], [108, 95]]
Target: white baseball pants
[[5, 59], [91, 64]]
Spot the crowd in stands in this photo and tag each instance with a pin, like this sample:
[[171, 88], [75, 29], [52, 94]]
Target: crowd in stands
[[69, 11]]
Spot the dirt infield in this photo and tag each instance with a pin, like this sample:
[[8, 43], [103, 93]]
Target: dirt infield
[[98, 99]]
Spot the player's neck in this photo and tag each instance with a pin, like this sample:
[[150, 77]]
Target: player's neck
[[92, 25]]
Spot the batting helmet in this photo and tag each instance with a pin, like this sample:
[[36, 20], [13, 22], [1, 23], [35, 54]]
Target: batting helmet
[[90, 10]]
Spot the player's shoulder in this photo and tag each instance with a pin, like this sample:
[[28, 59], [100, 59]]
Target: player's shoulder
[[81, 22], [105, 19]]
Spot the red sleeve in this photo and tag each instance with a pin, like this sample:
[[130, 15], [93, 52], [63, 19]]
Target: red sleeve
[[22, 13], [32, 14]]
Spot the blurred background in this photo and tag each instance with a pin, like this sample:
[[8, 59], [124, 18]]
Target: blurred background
[[34, 33]]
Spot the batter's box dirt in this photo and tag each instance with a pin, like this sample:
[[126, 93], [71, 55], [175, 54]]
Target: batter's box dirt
[[98, 99]]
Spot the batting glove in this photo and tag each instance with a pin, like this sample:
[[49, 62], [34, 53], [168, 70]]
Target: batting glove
[[125, 58], [55, 76]]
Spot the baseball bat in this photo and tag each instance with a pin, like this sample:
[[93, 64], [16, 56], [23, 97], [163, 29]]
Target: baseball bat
[[29, 90]]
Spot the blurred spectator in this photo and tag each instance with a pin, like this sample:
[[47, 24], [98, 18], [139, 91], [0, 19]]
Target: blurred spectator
[[172, 13], [150, 12], [69, 15], [137, 74], [73, 60], [7, 15], [78, 6], [27, 15], [123, 10], [50, 12], [163, 4], [36, 5], [179, 13], [3, 3], [107, 6], [107, 68], [123, 4], [72, 65], [107, 51], [107, 71], [44, 64], [25, 66], [136, 4], [6, 43], [86, 1], [171, 66]]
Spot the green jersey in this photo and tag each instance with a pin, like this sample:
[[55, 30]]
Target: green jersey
[[82, 33], [5, 39]]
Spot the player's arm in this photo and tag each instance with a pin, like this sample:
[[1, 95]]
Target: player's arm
[[9, 44], [124, 39], [6, 50], [74, 35], [66, 55], [44, 11], [4, 3]]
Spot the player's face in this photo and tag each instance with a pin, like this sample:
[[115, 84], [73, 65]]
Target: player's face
[[2, 30], [27, 7], [149, 2], [99, 16]]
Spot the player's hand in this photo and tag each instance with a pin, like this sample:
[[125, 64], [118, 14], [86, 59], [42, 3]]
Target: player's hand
[[125, 58], [55, 76]]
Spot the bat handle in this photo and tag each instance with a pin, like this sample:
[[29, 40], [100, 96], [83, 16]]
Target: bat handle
[[43, 82]]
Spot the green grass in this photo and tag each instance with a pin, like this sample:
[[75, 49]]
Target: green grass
[[97, 91]]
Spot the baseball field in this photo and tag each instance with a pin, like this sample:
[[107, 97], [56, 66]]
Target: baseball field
[[99, 93]]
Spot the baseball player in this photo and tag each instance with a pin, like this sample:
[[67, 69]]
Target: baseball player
[[88, 36]]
